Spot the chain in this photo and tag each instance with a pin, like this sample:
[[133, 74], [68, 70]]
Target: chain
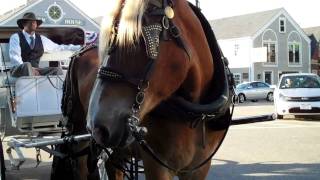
[[133, 121]]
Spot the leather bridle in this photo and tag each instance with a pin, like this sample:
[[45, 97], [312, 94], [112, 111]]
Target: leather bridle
[[152, 33]]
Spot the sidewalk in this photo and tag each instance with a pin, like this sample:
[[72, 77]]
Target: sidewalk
[[253, 109]]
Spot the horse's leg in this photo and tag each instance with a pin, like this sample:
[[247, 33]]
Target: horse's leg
[[113, 173], [82, 165], [199, 174], [61, 169], [154, 171]]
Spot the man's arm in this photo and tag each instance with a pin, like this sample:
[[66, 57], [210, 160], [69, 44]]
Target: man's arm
[[50, 46], [15, 50]]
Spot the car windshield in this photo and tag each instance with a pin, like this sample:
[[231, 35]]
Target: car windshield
[[302, 81], [241, 86]]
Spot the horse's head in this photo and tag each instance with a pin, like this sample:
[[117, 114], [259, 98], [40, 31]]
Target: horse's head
[[149, 50]]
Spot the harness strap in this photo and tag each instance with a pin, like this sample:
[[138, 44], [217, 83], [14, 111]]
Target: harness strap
[[151, 152], [156, 3], [175, 33]]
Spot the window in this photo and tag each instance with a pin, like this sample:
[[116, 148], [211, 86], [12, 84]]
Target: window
[[268, 77], [294, 53], [254, 85], [237, 78], [303, 81], [271, 51], [282, 25], [262, 85], [242, 86], [286, 72], [245, 76]]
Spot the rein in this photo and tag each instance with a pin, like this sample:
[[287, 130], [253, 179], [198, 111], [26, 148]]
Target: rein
[[151, 33]]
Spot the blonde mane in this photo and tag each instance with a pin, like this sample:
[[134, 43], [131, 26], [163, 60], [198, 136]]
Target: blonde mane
[[130, 23]]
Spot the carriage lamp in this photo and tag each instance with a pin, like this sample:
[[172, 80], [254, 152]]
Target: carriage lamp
[[259, 76]]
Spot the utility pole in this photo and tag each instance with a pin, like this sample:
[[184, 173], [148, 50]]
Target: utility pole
[[197, 3]]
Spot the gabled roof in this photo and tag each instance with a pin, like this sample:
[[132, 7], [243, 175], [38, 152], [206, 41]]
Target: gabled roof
[[242, 26], [313, 31], [16, 10], [98, 19], [10, 18]]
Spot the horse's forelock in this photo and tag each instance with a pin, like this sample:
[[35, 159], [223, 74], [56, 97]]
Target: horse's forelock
[[112, 9], [130, 24]]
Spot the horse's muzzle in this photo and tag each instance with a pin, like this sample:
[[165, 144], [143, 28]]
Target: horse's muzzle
[[118, 137]]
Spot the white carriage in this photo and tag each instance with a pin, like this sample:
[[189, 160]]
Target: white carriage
[[30, 106]]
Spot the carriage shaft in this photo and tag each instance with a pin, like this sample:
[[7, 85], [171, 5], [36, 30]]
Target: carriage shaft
[[16, 143]]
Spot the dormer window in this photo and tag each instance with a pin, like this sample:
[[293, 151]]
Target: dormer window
[[282, 25]]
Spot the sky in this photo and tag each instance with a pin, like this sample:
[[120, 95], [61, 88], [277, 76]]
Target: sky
[[306, 13]]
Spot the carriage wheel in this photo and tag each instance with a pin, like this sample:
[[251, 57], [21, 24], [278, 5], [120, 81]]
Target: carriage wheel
[[2, 165]]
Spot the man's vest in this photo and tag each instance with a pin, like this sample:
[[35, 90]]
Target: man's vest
[[28, 54]]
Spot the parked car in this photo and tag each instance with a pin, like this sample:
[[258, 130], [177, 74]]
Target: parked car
[[254, 91], [298, 94]]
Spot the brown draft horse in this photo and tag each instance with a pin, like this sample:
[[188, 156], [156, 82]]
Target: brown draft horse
[[79, 80], [156, 57], [187, 66]]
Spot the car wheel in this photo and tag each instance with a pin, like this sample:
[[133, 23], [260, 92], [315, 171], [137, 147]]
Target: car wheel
[[241, 98], [279, 116], [270, 96]]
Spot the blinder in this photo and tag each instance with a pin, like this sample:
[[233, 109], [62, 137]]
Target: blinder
[[151, 36]]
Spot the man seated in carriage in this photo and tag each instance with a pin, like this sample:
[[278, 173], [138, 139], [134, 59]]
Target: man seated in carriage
[[26, 48]]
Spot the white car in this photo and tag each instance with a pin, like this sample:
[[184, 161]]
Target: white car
[[297, 94]]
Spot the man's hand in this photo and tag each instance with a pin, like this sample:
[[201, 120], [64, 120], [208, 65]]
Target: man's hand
[[35, 72]]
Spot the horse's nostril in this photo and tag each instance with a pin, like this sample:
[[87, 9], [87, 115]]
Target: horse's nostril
[[101, 135]]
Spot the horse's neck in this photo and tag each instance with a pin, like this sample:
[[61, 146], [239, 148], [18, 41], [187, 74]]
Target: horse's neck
[[201, 72], [197, 83]]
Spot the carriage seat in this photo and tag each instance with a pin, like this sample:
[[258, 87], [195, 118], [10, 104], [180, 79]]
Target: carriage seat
[[38, 103]]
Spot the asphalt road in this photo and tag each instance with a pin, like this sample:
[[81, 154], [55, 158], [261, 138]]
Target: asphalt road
[[273, 150], [277, 150]]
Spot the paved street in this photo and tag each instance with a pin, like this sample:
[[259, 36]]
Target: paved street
[[273, 150]]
